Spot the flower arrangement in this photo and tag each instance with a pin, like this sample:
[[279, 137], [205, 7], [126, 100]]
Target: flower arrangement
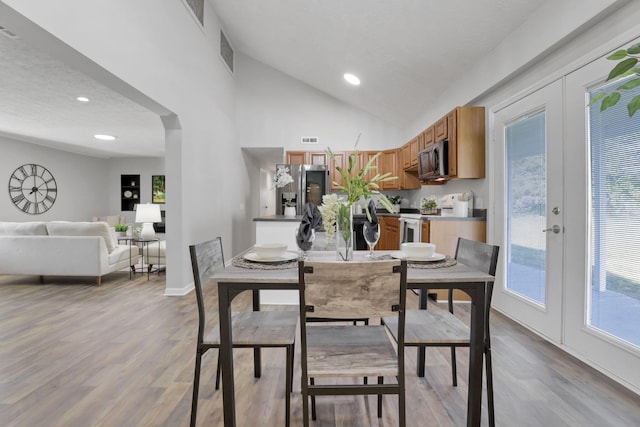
[[329, 210], [356, 185], [284, 179]]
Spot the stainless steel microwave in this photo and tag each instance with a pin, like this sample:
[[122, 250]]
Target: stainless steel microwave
[[433, 162]]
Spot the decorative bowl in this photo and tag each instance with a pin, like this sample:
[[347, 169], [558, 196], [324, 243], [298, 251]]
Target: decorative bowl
[[418, 250], [270, 250]]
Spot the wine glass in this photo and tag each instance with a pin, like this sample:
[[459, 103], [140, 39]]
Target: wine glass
[[305, 246], [371, 234]]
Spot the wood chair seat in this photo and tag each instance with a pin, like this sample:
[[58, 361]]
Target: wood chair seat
[[347, 351], [258, 329], [431, 327], [254, 329]]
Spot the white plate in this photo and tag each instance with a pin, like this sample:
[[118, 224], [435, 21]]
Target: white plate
[[435, 257], [287, 256], [128, 194]]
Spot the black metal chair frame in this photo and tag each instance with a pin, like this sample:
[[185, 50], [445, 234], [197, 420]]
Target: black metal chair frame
[[311, 389], [203, 346]]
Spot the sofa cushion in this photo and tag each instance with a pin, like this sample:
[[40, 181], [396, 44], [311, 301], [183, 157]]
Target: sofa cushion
[[121, 253], [23, 229], [110, 219], [65, 228]]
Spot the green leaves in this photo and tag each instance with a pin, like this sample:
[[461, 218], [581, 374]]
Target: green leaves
[[625, 68], [356, 184], [610, 100], [622, 67], [634, 105]]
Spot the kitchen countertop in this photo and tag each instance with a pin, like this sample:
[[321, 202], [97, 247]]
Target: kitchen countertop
[[280, 218], [479, 215]]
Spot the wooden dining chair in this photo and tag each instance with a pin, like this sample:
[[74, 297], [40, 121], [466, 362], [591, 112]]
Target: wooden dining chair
[[250, 329], [441, 328], [339, 290]]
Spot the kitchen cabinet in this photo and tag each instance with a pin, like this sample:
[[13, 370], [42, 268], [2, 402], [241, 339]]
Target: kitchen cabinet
[[296, 157], [409, 154], [441, 129], [444, 234], [428, 138], [424, 233], [129, 192], [466, 134], [389, 234], [307, 158], [391, 161]]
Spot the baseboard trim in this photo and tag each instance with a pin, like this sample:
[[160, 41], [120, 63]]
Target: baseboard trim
[[179, 292]]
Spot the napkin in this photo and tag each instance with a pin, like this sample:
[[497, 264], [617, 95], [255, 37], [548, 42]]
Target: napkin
[[373, 221], [311, 220]]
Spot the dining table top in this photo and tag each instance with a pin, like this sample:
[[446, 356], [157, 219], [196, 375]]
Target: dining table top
[[457, 273]]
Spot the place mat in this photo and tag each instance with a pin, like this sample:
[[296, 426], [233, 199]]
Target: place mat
[[447, 262], [239, 261]]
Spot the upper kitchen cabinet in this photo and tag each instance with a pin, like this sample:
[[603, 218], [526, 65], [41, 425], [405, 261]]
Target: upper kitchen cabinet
[[465, 132], [440, 129], [307, 158], [409, 153], [392, 161], [428, 138]]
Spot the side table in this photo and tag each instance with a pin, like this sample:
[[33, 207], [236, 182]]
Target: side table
[[142, 244]]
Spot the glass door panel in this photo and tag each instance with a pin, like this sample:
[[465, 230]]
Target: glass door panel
[[528, 201], [614, 142], [526, 182]]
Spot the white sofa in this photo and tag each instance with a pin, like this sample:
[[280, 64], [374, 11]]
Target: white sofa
[[61, 248]]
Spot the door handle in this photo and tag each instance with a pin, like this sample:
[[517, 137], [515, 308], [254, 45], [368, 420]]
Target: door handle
[[555, 229]]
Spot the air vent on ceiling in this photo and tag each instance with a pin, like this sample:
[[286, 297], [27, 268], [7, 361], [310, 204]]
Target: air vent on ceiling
[[309, 140], [226, 52], [6, 32]]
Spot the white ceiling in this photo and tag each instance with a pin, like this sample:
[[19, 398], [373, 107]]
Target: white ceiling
[[406, 54]]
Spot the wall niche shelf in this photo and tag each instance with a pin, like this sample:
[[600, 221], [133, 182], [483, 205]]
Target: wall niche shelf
[[129, 192]]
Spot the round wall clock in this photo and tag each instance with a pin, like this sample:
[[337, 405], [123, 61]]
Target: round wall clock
[[32, 189]]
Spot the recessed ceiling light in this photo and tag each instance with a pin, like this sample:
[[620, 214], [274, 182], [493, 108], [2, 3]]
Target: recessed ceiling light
[[82, 99], [352, 79], [104, 137]]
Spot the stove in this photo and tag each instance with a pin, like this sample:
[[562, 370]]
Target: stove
[[410, 227]]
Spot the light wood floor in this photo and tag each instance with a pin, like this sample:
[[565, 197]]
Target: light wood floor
[[73, 354]]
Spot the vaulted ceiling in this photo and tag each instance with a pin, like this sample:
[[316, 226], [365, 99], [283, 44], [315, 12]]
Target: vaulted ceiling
[[406, 54]]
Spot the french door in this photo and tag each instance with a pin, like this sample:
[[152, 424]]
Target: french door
[[603, 242], [529, 210], [567, 215]]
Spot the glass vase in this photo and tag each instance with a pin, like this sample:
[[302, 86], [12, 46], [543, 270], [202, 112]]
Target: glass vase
[[344, 233]]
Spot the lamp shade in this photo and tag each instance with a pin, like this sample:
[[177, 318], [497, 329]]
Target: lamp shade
[[148, 213]]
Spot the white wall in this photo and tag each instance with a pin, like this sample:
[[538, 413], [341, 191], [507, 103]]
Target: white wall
[[276, 110], [80, 180], [160, 51], [87, 186]]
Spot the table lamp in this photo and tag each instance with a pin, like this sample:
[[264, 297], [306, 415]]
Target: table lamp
[[147, 214]]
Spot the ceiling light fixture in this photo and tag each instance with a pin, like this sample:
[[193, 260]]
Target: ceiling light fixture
[[82, 99], [104, 137], [352, 79]]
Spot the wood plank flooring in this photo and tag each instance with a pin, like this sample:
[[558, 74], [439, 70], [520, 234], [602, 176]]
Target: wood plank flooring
[[122, 354]]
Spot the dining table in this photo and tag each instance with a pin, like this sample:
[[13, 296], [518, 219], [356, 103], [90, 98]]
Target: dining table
[[234, 279]]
